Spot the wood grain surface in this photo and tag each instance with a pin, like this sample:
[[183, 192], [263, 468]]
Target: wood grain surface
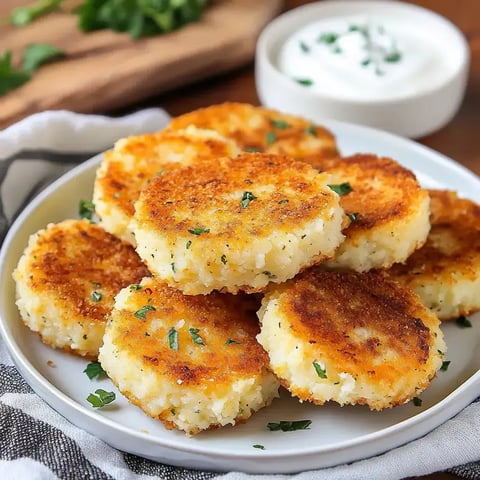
[[104, 70]]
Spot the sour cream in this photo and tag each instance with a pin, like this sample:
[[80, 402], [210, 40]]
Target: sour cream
[[362, 57]]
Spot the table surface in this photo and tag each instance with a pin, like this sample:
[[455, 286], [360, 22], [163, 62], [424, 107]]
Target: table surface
[[458, 140]]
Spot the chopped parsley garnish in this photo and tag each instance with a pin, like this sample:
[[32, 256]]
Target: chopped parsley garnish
[[173, 339], [141, 313], [445, 365], [306, 82], [353, 216], [195, 336], [311, 130], [94, 370], [463, 322], [188, 244], [223, 259], [260, 447], [417, 401], [86, 209], [231, 340], [304, 47], [328, 38], [289, 426], [253, 149], [198, 230], [341, 188], [247, 197], [101, 398], [173, 267], [269, 274], [135, 286], [96, 296], [393, 57], [285, 200], [280, 124], [321, 372], [270, 137]]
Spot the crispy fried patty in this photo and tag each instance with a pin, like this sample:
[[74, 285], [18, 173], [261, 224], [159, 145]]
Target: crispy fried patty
[[445, 272], [236, 224], [389, 210], [134, 161], [190, 361], [66, 281], [349, 337], [262, 130]]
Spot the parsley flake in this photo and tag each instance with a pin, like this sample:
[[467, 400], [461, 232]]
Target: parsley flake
[[247, 197], [289, 426], [198, 230], [304, 47], [353, 216], [311, 130], [463, 322], [94, 370], [393, 57], [270, 137], [134, 287], [188, 244], [445, 365], [285, 200], [260, 447], [141, 313], [342, 188], [223, 259], [173, 339], [195, 336], [321, 372], [327, 38], [96, 296], [101, 398], [280, 124], [269, 274], [417, 401], [231, 340], [86, 209], [306, 82]]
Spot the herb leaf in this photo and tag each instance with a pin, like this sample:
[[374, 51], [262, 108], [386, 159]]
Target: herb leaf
[[94, 370], [260, 447], [445, 365], [173, 339], [306, 82], [270, 137], [22, 16], [247, 197], [417, 401], [353, 216], [101, 398], [86, 209], [311, 130], [280, 124], [198, 230], [341, 188], [321, 372], [304, 47], [463, 322], [289, 426], [135, 286], [141, 313], [195, 336], [10, 77], [231, 340], [393, 57], [328, 38], [96, 296], [36, 54]]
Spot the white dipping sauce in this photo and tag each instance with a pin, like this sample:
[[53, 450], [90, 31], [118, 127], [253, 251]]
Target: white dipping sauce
[[364, 57]]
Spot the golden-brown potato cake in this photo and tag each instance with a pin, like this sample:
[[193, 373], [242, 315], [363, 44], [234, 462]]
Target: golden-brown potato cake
[[134, 161], [389, 208], [236, 224], [350, 337], [66, 281], [445, 272], [190, 361], [260, 129]]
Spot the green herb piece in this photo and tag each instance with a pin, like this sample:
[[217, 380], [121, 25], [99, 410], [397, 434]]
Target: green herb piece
[[10, 77], [311, 130], [231, 340], [94, 370], [321, 372], [173, 339], [280, 124], [134, 287], [188, 244], [101, 398], [37, 54], [269, 274], [463, 322], [284, 200], [306, 82], [417, 401], [304, 47], [353, 216], [195, 336], [260, 447], [289, 426], [247, 197], [223, 259], [86, 209], [22, 16], [270, 137], [141, 313], [198, 230], [393, 57], [253, 149], [328, 38], [173, 266], [341, 189], [445, 365], [440, 352], [366, 62], [96, 296]]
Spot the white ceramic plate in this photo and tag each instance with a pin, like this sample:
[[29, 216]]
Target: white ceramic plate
[[337, 435]]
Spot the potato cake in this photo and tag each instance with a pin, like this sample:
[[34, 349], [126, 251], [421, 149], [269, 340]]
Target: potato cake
[[445, 272], [388, 208], [191, 361], [237, 224], [134, 161], [258, 129], [66, 281], [354, 338]]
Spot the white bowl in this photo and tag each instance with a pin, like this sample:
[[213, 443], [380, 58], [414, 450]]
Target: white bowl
[[408, 113]]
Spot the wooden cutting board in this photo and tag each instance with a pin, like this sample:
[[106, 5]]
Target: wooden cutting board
[[104, 70]]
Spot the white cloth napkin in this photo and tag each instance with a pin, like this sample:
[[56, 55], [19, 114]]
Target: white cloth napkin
[[38, 443]]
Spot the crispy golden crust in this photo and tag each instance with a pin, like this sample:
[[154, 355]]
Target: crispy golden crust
[[264, 130], [450, 259], [74, 258]]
